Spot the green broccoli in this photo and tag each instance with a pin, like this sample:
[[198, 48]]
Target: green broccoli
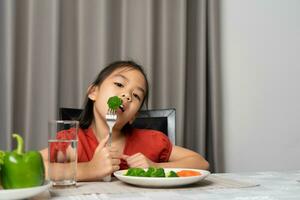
[[114, 102], [158, 172], [135, 172], [130, 172], [149, 171], [172, 174], [140, 172]]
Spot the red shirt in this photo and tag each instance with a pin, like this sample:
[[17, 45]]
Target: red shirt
[[153, 144]]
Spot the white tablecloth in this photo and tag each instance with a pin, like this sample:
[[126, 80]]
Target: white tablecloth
[[238, 186]]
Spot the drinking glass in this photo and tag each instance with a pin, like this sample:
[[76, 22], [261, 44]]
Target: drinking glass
[[62, 152]]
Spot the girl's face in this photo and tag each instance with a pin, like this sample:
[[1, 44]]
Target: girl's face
[[128, 84]]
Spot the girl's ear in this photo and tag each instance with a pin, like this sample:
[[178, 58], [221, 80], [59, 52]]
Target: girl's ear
[[92, 92]]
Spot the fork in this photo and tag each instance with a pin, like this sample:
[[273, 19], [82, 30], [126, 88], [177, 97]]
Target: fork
[[111, 118]]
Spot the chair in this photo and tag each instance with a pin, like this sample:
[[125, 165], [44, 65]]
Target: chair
[[159, 119]]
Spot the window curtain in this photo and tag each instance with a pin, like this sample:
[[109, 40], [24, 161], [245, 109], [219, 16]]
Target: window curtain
[[51, 50]]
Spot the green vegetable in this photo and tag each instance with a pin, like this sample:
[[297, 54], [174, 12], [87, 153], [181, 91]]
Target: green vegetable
[[158, 172], [151, 172], [135, 172], [114, 102], [172, 174], [21, 170], [2, 154]]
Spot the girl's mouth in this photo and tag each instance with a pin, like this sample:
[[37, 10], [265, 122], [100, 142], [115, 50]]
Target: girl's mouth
[[121, 108]]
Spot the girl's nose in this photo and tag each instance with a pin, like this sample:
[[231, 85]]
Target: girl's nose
[[126, 96]]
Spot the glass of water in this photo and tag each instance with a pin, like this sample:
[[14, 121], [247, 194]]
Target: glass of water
[[62, 152]]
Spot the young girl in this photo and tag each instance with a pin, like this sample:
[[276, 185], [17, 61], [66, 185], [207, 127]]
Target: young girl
[[130, 147]]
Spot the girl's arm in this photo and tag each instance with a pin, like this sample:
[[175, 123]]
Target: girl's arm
[[180, 157], [185, 158]]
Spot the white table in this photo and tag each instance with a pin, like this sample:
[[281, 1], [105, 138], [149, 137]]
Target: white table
[[272, 185]]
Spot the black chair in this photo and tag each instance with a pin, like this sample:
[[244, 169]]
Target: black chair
[[159, 119]]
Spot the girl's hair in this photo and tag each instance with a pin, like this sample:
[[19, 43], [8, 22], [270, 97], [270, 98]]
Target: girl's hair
[[87, 114]]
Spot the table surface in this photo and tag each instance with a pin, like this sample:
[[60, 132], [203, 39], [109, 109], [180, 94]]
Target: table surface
[[272, 185]]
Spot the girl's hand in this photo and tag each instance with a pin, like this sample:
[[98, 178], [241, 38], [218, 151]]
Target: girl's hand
[[138, 160], [105, 161]]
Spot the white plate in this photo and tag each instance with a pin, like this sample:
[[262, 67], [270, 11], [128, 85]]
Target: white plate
[[23, 193], [162, 182]]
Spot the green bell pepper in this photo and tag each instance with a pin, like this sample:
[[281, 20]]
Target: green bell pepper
[[21, 170], [1, 162]]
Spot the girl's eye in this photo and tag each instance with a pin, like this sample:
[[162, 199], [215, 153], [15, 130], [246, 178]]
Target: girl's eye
[[137, 96], [119, 84]]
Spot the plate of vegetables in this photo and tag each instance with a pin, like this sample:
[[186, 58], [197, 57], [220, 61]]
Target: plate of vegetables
[[161, 177]]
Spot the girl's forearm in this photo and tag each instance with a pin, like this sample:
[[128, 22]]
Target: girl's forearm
[[194, 162]]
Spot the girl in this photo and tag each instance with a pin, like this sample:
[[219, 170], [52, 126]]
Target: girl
[[130, 147]]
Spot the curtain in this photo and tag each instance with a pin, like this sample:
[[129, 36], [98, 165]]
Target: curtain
[[51, 51]]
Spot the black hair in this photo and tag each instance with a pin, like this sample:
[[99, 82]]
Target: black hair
[[87, 115]]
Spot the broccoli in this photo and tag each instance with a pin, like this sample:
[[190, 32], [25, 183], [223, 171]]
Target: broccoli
[[151, 172], [114, 102], [172, 174], [135, 172], [158, 172], [155, 172]]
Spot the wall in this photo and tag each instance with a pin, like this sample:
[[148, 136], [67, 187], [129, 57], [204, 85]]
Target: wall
[[260, 45]]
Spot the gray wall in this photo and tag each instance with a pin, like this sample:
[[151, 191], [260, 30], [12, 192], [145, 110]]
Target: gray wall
[[260, 42]]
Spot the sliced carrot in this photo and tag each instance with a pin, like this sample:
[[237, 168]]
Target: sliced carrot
[[184, 173]]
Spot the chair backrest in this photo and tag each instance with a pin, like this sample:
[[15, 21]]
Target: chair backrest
[[159, 119]]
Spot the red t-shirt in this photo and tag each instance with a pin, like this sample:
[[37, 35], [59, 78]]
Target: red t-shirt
[[153, 144]]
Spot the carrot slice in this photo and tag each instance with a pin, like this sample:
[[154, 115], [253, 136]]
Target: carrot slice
[[184, 173]]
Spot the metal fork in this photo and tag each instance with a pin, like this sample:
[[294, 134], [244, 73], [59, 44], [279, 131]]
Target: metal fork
[[111, 118]]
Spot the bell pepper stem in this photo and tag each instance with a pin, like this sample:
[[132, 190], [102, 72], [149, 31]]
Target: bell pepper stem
[[20, 143]]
